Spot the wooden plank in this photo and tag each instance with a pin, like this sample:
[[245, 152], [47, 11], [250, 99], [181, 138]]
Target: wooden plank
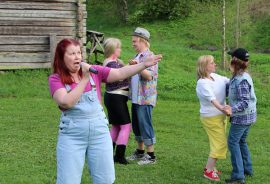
[[37, 19], [38, 6], [24, 22], [24, 48], [21, 40], [48, 1], [30, 40], [15, 57], [25, 65], [38, 13], [19, 30], [17, 21]]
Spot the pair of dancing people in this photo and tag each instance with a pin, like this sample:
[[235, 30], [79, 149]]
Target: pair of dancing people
[[211, 90], [141, 89]]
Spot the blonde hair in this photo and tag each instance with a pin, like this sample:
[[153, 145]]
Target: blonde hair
[[110, 45], [144, 41], [202, 62]]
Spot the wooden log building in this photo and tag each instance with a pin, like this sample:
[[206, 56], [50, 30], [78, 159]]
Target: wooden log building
[[30, 30]]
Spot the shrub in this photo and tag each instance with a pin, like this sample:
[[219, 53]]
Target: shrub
[[161, 10]]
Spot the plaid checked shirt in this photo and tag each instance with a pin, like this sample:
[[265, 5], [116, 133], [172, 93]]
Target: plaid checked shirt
[[243, 94]]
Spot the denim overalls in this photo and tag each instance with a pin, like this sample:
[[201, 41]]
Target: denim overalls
[[83, 131]]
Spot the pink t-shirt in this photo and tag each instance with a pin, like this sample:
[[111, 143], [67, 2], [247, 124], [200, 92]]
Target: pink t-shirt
[[103, 72]]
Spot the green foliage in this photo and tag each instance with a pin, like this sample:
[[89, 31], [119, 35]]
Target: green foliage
[[161, 10], [261, 34], [199, 21]]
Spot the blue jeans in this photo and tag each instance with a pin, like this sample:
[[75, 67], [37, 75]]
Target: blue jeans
[[142, 124], [240, 156]]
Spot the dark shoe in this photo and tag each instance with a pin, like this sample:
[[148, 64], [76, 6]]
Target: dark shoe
[[235, 181], [120, 160], [248, 174], [114, 144], [120, 155]]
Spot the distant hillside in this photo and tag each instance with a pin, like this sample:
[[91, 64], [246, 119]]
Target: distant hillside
[[202, 28]]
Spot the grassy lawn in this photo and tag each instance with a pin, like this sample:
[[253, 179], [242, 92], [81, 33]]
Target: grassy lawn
[[29, 118], [29, 125], [28, 131]]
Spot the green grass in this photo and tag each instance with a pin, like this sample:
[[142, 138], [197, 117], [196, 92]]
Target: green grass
[[29, 131], [29, 117]]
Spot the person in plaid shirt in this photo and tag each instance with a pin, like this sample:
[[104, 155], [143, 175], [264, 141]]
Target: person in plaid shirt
[[242, 100]]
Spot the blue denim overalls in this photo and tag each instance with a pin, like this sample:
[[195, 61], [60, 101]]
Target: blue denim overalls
[[83, 131]]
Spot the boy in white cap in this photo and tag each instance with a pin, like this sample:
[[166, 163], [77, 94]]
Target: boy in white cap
[[143, 96]]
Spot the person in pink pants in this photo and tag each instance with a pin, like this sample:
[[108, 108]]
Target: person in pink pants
[[115, 100]]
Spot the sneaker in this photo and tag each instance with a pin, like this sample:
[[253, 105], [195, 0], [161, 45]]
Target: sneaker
[[135, 156], [146, 160], [215, 169], [211, 175], [235, 181]]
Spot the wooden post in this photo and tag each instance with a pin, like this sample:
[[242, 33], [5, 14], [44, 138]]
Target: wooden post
[[125, 11], [237, 31], [79, 20], [52, 46], [80, 27]]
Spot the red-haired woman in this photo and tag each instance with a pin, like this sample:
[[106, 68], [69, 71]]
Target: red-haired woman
[[83, 129]]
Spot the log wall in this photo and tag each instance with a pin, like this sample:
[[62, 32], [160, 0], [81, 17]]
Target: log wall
[[30, 30]]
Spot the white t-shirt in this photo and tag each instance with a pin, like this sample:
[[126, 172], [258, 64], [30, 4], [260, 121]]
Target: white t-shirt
[[208, 90]]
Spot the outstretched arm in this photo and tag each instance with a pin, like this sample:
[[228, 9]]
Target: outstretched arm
[[130, 70]]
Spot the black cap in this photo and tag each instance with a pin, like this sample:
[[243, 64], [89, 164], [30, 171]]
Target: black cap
[[240, 53]]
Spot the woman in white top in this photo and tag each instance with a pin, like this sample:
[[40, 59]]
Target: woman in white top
[[211, 91]]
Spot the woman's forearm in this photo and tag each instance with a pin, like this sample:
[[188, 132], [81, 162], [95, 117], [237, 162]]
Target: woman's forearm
[[69, 99], [218, 105]]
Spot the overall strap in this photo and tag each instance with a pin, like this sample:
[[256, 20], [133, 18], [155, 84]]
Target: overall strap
[[68, 88], [93, 85]]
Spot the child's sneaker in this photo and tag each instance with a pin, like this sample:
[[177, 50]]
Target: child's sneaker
[[135, 156], [211, 175], [147, 160]]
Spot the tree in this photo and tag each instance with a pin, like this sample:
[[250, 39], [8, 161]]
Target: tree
[[122, 8], [237, 30], [223, 35]]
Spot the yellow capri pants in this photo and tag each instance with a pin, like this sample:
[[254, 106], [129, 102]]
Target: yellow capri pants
[[215, 128]]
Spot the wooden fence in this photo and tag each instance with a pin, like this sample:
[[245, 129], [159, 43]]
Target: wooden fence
[[30, 30]]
